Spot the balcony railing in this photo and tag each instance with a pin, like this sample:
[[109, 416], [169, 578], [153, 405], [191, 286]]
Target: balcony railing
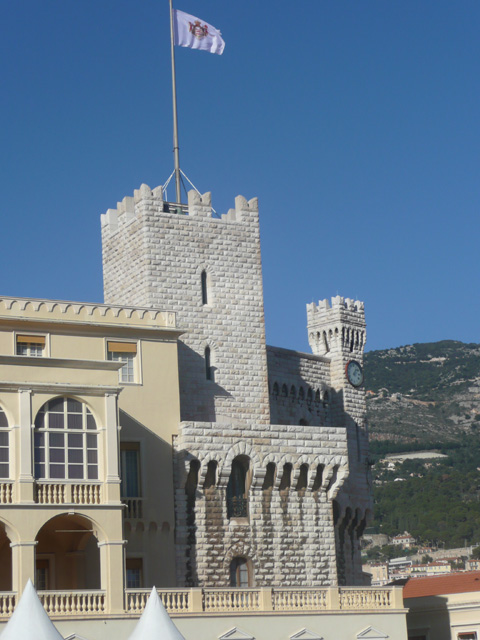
[[72, 603], [55, 493], [6, 492], [133, 508], [179, 601], [237, 507], [369, 598], [174, 600], [7, 603], [300, 599]]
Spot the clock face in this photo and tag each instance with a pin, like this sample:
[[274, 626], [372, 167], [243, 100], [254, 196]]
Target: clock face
[[354, 373]]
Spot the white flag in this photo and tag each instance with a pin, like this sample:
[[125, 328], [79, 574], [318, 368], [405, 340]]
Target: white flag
[[196, 34]]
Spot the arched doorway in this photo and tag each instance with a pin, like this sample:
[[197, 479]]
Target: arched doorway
[[5, 560], [67, 554]]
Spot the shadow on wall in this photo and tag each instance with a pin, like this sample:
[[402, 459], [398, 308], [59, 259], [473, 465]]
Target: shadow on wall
[[147, 479], [198, 388], [428, 618]]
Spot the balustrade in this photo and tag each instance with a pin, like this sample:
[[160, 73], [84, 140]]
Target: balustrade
[[6, 493], [228, 600], [370, 598], [299, 599], [68, 603], [49, 493], [174, 600], [231, 600], [133, 508], [7, 603]]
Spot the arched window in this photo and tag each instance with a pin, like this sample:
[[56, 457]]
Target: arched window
[[239, 572], [309, 397], [286, 480], [269, 479], [211, 475], [4, 455], [237, 501], [204, 288], [302, 481], [66, 441]]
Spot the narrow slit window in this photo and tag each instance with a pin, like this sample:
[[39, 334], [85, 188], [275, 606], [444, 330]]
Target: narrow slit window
[[204, 288], [208, 364]]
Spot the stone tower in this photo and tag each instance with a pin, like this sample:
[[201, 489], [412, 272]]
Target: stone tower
[[338, 331], [255, 502], [208, 271]]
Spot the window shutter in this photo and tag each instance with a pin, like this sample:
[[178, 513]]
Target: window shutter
[[122, 347], [40, 340]]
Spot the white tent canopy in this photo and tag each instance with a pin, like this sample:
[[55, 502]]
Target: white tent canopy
[[30, 620], [155, 623]]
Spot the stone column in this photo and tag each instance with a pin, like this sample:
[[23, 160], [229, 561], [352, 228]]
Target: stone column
[[23, 564], [112, 574], [25, 486], [112, 473]]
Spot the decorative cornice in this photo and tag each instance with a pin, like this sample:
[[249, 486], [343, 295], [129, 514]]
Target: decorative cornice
[[41, 309], [63, 363]]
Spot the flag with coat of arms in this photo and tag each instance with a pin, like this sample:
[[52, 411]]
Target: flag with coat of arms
[[194, 33]]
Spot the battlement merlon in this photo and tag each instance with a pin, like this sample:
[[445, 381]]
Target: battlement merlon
[[339, 325], [344, 310], [199, 206]]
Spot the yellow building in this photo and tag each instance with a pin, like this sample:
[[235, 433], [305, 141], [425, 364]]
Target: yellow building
[[83, 390], [443, 607]]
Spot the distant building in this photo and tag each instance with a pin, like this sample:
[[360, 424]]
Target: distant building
[[431, 568], [443, 607], [405, 540]]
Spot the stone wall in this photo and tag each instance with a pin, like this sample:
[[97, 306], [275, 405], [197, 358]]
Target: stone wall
[[299, 388], [288, 535], [155, 258]]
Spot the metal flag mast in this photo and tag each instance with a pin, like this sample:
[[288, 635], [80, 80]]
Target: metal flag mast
[[176, 151]]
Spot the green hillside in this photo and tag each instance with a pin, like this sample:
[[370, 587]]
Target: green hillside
[[426, 397]]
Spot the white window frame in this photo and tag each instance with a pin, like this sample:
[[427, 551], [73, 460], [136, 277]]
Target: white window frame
[[8, 429], [136, 360], [48, 448], [45, 351]]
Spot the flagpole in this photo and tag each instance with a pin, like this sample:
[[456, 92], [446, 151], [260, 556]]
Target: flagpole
[[176, 154]]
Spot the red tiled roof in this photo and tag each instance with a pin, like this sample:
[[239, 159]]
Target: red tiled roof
[[442, 585]]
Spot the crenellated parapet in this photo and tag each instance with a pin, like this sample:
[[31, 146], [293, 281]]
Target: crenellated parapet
[[199, 206], [338, 326]]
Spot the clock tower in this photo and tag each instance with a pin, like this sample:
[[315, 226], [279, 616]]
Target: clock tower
[[337, 331]]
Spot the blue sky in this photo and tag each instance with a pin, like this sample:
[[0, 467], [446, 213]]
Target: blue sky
[[356, 123]]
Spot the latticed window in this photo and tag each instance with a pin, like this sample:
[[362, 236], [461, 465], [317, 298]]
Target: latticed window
[[4, 455], [30, 345], [66, 441], [125, 352]]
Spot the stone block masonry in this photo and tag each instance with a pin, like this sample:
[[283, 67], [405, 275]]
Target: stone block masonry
[[155, 258], [290, 498], [287, 532]]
